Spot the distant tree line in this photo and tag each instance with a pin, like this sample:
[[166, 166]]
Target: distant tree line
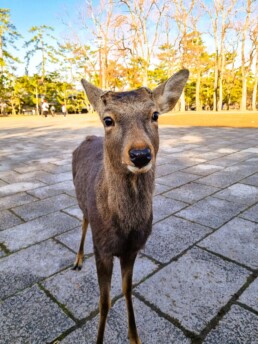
[[123, 44]]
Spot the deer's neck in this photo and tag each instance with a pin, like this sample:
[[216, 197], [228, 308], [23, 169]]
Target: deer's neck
[[129, 197]]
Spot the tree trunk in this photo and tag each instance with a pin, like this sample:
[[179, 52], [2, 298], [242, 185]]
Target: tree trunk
[[254, 96], [182, 102], [243, 59], [220, 100], [13, 107], [1, 56], [221, 75], [215, 90], [197, 91], [37, 101], [244, 92], [145, 75]]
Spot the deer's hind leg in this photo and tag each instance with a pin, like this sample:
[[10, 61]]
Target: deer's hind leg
[[79, 258]]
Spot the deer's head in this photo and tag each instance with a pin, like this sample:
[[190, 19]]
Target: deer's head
[[130, 120]]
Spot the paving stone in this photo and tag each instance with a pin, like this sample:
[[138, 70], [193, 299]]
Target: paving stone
[[2, 183], [65, 161], [211, 212], [165, 169], [220, 179], [176, 179], [50, 178], [241, 192], [32, 167], [203, 169], [7, 219], [152, 329], [231, 159], [31, 317], [79, 291], [194, 288], [172, 236], [251, 214], [184, 160], [191, 192], [43, 160], [39, 208], [237, 240], [159, 189], [23, 268], [226, 150], [14, 177], [251, 150], [72, 239], [252, 180], [211, 155], [15, 200], [237, 326], [241, 169], [53, 168], [52, 190], [252, 161], [250, 295], [18, 187], [37, 230], [163, 207], [74, 211], [162, 159]]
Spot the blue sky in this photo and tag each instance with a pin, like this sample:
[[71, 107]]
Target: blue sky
[[28, 13]]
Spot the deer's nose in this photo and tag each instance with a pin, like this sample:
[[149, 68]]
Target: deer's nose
[[140, 157]]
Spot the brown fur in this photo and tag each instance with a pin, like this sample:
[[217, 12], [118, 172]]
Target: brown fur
[[114, 200]]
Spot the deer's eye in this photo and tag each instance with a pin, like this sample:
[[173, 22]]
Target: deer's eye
[[108, 121], [155, 116]]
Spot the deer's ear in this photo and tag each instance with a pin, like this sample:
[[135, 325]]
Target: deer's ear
[[94, 95], [168, 93]]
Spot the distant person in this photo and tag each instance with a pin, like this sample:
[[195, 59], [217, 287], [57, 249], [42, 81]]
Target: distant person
[[64, 111], [53, 110], [45, 108]]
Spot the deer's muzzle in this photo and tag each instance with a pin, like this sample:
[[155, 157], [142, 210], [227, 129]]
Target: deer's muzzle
[[140, 157]]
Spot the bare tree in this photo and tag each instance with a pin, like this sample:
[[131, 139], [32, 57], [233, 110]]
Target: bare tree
[[221, 19], [255, 45], [182, 14], [144, 23], [244, 67]]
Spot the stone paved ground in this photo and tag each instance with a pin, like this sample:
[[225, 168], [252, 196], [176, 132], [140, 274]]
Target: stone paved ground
[[195, 282]]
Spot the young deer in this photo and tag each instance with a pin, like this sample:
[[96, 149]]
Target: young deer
[[114, 181]]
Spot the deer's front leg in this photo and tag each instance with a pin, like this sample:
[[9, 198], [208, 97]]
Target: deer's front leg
[[127, 264], [104, 271], [79, 258]]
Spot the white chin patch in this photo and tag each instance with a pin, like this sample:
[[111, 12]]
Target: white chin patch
[[135, 169]]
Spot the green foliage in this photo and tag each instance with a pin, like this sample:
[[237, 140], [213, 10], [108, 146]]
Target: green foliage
[[39, 43]]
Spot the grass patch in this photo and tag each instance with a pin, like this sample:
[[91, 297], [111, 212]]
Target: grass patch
[[211, 119]]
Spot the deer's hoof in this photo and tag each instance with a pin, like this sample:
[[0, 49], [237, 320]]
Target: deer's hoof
[[77, 267], [136, 341], [78, 264]]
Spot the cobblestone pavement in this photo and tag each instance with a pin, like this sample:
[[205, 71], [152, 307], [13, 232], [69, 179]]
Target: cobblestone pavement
[[196, 281]]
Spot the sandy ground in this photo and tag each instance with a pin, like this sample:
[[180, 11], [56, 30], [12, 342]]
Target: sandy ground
[[233, 119]]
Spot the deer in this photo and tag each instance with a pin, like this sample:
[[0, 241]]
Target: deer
[[114, 181]]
